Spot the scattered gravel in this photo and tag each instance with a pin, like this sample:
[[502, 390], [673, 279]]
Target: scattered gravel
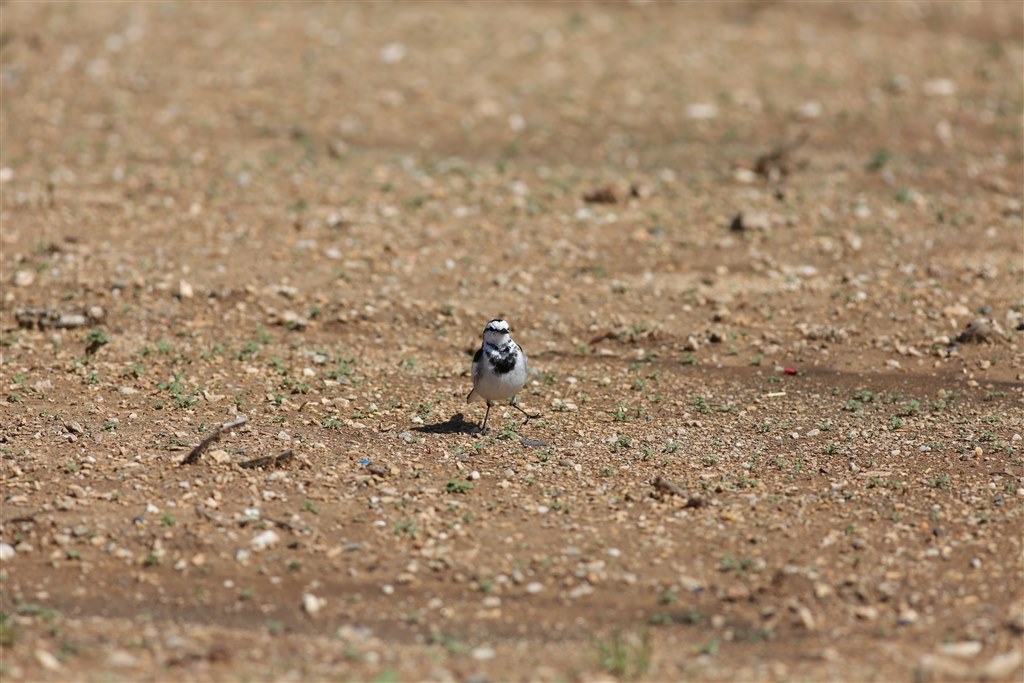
[[779, 373]]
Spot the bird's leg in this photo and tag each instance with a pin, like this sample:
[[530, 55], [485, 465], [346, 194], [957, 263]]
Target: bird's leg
[[528, 416], [483, 427]]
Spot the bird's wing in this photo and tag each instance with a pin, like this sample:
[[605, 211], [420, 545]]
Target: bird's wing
[[477, 358]]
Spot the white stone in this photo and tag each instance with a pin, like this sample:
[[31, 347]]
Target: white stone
[[312, 604], [47, 660], [701, 111], [483, 653], [939, 87], [966, 648], [264, 540], [393, 53]]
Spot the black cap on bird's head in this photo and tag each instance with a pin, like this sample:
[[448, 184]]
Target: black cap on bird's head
[[497, 327]]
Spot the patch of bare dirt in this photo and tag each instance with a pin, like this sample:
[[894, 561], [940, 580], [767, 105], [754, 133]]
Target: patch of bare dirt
[[766, 260]]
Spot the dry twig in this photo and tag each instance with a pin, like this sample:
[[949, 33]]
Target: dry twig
[[266, 460], [193, 456], [663, 485]]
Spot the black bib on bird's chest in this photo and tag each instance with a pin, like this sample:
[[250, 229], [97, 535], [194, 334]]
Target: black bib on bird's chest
[[502, 362]]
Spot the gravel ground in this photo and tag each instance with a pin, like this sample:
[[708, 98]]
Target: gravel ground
[[766, 259]]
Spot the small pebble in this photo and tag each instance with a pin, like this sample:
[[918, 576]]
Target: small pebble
[[311, 604], [483, 653], [966, 648], [939, 87], [264, 540], [23, 278], [47, 660], [907, 617], [866, 612], [701, 111], [121, 659]]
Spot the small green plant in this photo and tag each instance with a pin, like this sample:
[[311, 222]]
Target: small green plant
[[406, 527], [134, 370], [620, 443], [458, 486], [94, 341], [910, 408], [449, 643], [331, 423], [667, 598], [182, 398], [885, 483], [295, 386], [626, 658], [879, 159], [310, 507], [342, 368], [739, 565], [247, 351], [34, 610], [701, 405], [7, 632]]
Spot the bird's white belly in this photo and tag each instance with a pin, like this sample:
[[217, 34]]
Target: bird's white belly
[[495, 387]]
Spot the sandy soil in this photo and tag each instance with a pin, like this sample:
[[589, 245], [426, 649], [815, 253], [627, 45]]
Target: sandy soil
[[767, 260]]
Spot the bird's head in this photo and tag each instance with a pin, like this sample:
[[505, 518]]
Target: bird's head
[[496, 332]]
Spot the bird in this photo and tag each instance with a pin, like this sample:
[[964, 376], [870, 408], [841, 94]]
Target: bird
[[499, 370]]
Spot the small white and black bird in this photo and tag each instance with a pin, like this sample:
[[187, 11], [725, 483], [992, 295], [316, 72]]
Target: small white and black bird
[[499, 369]]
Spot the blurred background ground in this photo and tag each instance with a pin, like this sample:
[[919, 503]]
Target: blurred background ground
[[770, 253]]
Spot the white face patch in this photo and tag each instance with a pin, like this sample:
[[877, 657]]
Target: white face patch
[[497, 327]]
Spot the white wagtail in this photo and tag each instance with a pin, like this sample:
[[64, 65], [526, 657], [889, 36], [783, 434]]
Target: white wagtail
[[499, 370]]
